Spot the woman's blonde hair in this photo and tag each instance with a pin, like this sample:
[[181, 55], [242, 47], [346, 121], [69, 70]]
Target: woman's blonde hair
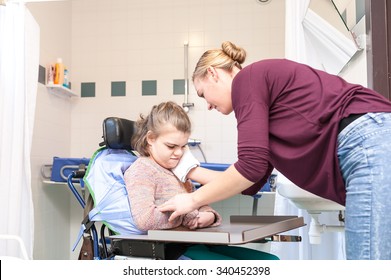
[[225, 58], [159, 116]]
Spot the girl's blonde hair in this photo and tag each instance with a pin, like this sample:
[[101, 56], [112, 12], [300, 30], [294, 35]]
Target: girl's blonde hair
[[159, 116], [225, 58]]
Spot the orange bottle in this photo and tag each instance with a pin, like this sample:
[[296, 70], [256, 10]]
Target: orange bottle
[[59, 72]]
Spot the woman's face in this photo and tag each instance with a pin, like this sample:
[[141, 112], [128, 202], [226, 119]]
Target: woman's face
[[167, 148], [216, 89]]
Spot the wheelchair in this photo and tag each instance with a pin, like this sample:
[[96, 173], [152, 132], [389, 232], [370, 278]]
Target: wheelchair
[[107, 205]]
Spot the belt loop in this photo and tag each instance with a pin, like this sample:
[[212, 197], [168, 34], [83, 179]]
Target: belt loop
[[348, 120], [377, 117]]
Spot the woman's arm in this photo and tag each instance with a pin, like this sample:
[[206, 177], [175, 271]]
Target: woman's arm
[[225, 185], [202, 175]]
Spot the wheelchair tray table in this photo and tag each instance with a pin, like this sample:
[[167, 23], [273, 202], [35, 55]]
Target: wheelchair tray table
[[240, 230]]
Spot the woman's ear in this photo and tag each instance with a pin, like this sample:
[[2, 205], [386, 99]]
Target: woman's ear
[[213, 73]]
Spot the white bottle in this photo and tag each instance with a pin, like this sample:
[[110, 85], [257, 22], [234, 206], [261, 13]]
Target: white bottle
[[50, 80], [66, 78]]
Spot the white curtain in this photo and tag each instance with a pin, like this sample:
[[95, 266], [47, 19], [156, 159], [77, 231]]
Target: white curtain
[[311, 40], [19, 63]]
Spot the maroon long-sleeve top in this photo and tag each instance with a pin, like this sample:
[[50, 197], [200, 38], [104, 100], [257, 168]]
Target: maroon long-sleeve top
[[288, 116]]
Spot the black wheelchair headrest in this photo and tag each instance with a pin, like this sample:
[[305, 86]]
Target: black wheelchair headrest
[[117, 133]]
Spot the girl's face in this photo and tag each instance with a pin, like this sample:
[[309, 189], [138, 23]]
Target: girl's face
[[167, 148], [216, 89]]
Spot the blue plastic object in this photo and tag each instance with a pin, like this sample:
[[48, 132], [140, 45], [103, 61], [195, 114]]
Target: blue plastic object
[[215, 166], [268, 187]]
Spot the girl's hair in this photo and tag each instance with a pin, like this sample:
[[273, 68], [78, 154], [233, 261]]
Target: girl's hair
[[225, 58], [160, 115]]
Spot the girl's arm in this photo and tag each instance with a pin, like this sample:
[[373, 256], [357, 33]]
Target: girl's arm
[[206, 216], [141, 193]]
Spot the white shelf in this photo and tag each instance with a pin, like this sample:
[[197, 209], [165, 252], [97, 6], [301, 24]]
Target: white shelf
[[60, 90]]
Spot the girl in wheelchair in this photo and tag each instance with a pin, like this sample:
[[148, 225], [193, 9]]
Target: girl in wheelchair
[[161, 140]]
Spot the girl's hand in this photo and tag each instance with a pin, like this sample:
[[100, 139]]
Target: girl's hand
[[205, 219]]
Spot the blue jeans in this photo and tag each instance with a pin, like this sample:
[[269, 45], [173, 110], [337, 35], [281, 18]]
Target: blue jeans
[[364, 153]]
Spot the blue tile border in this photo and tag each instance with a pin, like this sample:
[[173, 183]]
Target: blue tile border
[[178, 86], [87, 90], [149, 87], [118, 88]]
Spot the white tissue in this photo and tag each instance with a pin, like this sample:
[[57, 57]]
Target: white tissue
[[187, 163]]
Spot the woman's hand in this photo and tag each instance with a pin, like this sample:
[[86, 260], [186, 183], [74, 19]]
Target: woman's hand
[[180, 204]]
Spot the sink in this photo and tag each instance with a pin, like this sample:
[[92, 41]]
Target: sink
[[303, 199], [311, 203]]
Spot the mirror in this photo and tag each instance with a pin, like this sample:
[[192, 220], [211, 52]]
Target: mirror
[[350, 11], [327, 11], [347, 16]]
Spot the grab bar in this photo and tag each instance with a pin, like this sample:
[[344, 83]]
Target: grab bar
[[186, 105]]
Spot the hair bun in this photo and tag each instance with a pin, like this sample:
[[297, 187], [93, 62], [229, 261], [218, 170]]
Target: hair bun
[[236, 53]]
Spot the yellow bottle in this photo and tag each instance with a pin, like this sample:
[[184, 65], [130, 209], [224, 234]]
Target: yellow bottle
[[59, 72]]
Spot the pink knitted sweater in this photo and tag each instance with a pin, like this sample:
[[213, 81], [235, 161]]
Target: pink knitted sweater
[[149, 185]]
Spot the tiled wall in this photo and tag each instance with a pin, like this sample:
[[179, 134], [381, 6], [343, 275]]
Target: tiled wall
[[142, 44], [52, 128], [117, 52]]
